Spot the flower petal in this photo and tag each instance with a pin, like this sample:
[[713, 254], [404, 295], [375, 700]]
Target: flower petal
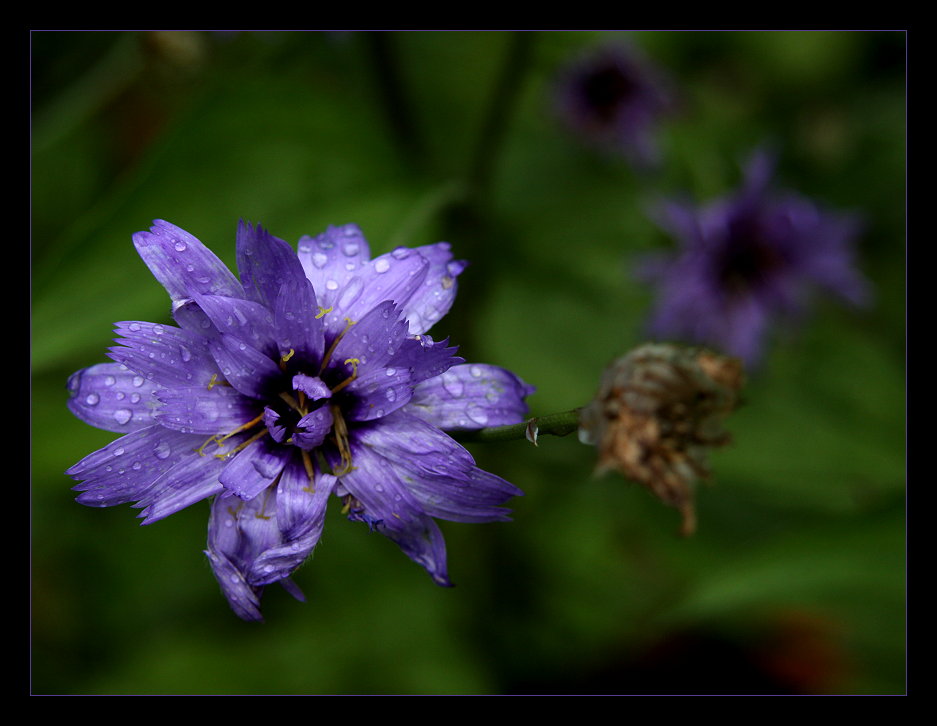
[[243, 320], [193, 478], [300, 518], [298, 325], [332, 258], [471, 396], [164, 354], [244, 367], [390, 508], [378, 393], [183, 264], [237, 532], [251, 470], [395, 276], [373, 340], [199, 410], [301, 502], [265, 264], [243, 599], [433, 299], [125, 469], [112, 397], [425, 358], [438, 472], [312, 428]]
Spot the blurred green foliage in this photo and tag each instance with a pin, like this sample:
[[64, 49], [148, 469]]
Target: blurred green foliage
[[795, 581]]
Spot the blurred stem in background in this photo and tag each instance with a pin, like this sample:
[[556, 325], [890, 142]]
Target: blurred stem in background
[[468, 220], [461, 205], [395, 100]]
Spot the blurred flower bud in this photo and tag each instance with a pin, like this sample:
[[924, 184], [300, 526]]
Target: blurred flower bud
[[658, 412]]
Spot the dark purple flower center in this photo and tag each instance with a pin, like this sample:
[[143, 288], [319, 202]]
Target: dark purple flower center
[[605, 89], [748, 258]]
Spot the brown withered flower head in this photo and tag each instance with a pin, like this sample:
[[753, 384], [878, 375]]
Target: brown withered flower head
[[658, 412]]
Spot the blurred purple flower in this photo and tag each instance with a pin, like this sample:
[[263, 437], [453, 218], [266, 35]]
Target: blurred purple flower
[[745, 261], [615, 99], [310, 377]]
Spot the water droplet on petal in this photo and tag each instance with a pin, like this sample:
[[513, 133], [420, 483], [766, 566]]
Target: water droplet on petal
[[138, 381], [109, 380], [452, 384], [391, 394], [162, 450], [351, 248], [158, 329], [478, 415], [180, 246], [92, 399], [476, 371], [119, 451], [390, 371], [134, 327], [382, 264], [122, 415], [401, 253], [331, 285], [185, 353], [320, 259], [134, 398]]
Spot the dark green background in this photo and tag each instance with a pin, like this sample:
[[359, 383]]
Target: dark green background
[[795, 581]]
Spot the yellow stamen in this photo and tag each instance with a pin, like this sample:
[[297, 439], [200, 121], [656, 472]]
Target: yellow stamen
[[328, 354], [213, 381], [242, 445], [341, 440], [354, 374], [262, 513], [293, 403], [307, 463], [284, 358], [201, 449], [323, 312], [243, 427]]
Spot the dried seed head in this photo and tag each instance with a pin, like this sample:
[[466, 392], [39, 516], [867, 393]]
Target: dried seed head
[[659, 410]]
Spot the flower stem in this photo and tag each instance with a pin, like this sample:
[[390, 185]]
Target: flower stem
[[557, 424], [503, 101]]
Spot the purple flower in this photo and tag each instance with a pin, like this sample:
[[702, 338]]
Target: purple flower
[[309, 378], [614, 98], [747, 260]]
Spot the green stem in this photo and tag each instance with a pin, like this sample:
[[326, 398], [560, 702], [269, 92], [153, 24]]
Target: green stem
[[557, 424], [503, 101]]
